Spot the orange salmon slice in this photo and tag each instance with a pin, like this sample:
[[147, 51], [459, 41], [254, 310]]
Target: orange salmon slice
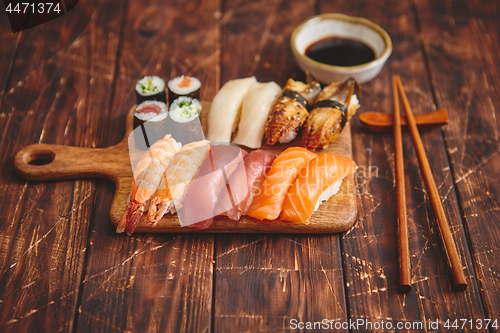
[[269, 201]]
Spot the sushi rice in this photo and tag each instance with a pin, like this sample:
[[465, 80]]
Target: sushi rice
[[151, 116], [329, 192], [185, 109], [184, 85], [150, 85]]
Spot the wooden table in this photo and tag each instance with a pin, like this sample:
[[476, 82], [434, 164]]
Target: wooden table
[[71, 81]]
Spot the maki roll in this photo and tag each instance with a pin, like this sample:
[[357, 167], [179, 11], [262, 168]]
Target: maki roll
[[150, 123], [183, 86], [150, 88], [185, 120]]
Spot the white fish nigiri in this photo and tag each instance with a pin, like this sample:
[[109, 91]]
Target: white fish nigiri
[[226, 108], [255, 110]]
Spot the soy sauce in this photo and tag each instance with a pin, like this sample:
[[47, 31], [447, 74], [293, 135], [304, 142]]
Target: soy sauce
[[340, 52]]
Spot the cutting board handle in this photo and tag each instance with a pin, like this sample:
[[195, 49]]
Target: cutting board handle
[[50, 162]]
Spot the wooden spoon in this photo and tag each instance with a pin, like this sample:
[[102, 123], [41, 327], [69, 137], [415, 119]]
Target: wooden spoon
[[381, 122]]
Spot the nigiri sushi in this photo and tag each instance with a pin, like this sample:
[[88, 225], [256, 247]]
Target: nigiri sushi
[[245, 183], [225, 109], [290, 111], [147, 176], [284, 170], [199, 207], [318, 182], [255, 110], [333, 108], [176, 179]]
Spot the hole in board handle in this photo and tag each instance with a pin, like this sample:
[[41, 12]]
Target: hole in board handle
[[39, 157]]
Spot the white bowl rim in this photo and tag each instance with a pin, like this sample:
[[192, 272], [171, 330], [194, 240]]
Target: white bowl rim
[[352, 19]]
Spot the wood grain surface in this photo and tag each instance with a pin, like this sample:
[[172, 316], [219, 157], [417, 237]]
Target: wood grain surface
[[60, 71], [473, 145], [70, 82]]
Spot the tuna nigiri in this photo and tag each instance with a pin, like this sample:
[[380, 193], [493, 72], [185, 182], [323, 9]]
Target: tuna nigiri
[[316, 183], [199, 205], [284, 170], [245, 183]]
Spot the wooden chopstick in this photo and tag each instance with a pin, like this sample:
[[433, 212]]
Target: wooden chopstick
[[403, 246], [451, 250]]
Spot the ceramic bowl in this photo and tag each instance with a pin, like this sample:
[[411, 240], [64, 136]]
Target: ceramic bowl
[[339, 25]]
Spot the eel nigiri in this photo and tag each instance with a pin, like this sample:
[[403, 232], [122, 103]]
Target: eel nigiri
[[333, 108], [255, 110], [147, 177], [199, 206], [318, 182], [176, 179], [245, 183], [284, 170], [289, 112], [225, 109]]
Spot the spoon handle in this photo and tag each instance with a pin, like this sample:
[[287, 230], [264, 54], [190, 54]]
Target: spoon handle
[[381, 122]]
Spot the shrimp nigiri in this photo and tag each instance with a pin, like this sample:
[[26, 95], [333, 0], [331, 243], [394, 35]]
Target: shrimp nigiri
[[318, 182], [284, 170], [177, 177], [147, 176]]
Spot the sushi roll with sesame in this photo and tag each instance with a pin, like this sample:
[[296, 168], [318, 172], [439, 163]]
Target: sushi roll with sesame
[[185, 120], [150, 123], [150, 88], [183, 86]]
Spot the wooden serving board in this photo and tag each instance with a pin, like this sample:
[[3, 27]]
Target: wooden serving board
[[113, 163]]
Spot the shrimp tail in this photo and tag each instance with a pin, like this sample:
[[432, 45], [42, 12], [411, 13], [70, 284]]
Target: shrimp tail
[[134, 217], [162, 209], [120, 228], [152, 213], [157, 209]]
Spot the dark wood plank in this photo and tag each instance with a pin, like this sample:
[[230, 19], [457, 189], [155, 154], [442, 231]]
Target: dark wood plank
[[487, 13], [464, 74], [458, 18], [449, 18], [370, 248], [157, 282], [263, 282], [9, 42], [58, 93], [256, 39]]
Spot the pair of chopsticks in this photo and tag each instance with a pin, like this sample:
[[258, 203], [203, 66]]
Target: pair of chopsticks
[[404, 252]]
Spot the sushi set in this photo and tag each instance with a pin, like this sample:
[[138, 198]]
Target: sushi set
[[248, 175]]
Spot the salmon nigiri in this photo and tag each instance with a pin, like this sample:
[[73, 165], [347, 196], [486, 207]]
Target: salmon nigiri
[[284, 170], [316, 183]]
